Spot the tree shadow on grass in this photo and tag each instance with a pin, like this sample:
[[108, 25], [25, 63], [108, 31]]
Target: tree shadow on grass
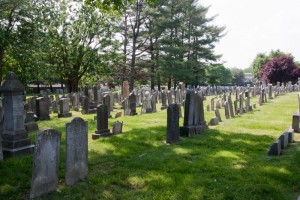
[[138, 164], [213, 165]]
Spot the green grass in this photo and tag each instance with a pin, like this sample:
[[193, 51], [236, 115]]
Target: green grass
[[228, 161]]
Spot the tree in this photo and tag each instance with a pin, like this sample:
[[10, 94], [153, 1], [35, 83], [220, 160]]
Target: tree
[[281, 68], [237, 76], [80, 41], [263, 58], [113, 4], [218, 75], [13, 14]]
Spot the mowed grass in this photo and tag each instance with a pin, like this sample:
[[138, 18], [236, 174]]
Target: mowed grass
[[228, 161]]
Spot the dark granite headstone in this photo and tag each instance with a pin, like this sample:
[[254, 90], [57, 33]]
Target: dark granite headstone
[[42, 108], [275, 148], [284, 138], [296, 122], [106, 100], [132, 104], [76, 150], [102, 122], [188, 128], [45, 163], [172, 124]]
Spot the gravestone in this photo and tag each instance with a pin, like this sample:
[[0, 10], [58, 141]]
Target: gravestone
[[226, 106], [212, 103], [275, 148], [188, 128], [291, 135], [207, 108], [241, 98], [15, 141], [45, 163], [29, 123], [117, 127], [132, 104], [172, 124], [42, 108], [284, 138], [230, 106], [76, 150], [102, 122], [163, 100], [54, 106], [153, 103], [85, 105], [217, 113], [64, 108], [296, 122], [106, 100], [213, 121]]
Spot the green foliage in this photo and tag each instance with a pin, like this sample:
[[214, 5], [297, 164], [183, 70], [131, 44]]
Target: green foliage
[[218, 75], [248, 70], [263, 58], [237, 76]]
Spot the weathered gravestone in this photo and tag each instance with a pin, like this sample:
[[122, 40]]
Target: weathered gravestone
[[163, 100], [230, 106], [76, 150], [296, 122], [29, 123], [15, 140], [45, 163], [102, 122], [217, 113], [117, 127], [226, 106], [172, 124], [64, 108], [42, 108]]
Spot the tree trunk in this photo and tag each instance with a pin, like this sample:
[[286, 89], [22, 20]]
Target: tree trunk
[[169, 83], [158, 81], [73, 85]]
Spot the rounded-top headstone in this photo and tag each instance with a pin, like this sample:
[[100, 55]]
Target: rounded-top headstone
[[12, 84]]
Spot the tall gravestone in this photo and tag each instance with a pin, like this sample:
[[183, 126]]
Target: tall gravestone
[[132, 104], [42, 108], [188, 128], [15, 140], [45, 163], [163, 100], [76, 150], [226, 106], [172, 124], [102, 122], [230, 106], [106, 100]]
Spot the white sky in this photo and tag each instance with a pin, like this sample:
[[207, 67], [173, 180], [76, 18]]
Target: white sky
[[255, 26]]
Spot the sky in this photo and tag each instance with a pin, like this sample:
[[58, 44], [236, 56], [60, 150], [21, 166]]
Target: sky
[[255, 26]]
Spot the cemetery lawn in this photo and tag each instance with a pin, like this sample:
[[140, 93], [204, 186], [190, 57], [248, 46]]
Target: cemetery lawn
[[228, 161]]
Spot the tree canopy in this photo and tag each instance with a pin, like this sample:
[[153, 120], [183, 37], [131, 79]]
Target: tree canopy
[[281, 68]]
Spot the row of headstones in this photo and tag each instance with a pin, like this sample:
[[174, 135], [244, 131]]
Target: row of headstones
[[281, 143], [46, 157], [278, 89], [231, 108]]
